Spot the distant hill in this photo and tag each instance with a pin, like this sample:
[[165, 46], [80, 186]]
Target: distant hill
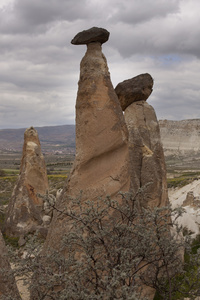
[[52, 138], [179, 138]]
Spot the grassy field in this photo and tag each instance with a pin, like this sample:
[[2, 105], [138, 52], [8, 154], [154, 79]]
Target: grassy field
[[57, 181], [55, 163], [182, 179]]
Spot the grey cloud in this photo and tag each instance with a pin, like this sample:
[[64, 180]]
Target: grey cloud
[[37, 16], [42, 12], [25, 109], [32, 77], [39, 68], [157, 37], [142, 11]]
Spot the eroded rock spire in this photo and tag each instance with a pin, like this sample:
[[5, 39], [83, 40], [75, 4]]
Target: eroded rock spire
[[102, 158], [26, 207], [147, 163]]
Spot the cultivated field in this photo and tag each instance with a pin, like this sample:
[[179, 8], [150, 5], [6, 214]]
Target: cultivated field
[[180, 171]]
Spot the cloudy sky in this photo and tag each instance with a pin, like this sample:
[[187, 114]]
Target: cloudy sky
[[39, 68]]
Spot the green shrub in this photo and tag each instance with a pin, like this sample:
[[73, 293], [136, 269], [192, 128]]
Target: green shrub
[[2, 173], [11, 241], [178, 181]]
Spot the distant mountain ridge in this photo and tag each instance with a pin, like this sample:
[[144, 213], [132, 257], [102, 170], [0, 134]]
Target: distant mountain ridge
[[52, 138], [179, 138]]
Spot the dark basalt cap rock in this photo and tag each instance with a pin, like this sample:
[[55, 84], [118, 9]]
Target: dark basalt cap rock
[[94, 34], [135, 89]]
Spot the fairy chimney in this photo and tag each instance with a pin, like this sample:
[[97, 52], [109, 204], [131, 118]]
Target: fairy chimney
[[147, 163], [25, 209], [101, 164]]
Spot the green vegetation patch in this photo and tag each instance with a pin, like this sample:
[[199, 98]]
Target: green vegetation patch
[[8, 178], [191, 174], [2, 218], [11, 241], [183, 179], [9, 172], [177, 182], [188, 281], [57, 181], [7, 184], [2, 173], [57, 176]]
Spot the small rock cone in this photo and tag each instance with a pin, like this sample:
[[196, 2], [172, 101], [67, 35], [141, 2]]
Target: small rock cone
[[25, 209]]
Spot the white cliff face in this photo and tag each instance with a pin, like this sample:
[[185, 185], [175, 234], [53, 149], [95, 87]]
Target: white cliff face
[[191, 217], [180, 137]]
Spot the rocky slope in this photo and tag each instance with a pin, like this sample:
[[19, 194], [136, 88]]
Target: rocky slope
[[188, 197], [8, 288]]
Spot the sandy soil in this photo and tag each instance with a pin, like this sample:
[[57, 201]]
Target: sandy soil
[[23, 289]]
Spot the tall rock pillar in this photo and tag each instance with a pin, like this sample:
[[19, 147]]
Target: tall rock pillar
[[25, 209], [147, 163], [101, 164]]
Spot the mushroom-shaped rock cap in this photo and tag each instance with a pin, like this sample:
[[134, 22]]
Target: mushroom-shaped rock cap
[[94, 34], [135, 89]]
